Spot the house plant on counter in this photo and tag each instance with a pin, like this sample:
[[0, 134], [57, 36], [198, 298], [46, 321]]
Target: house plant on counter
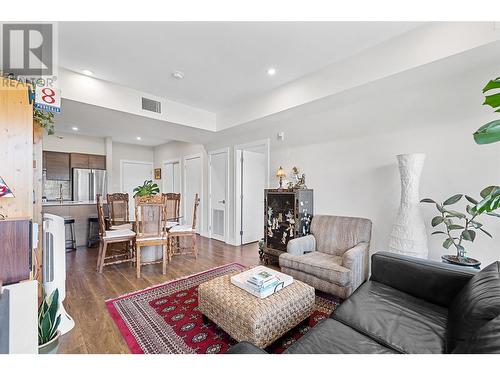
[[460, 227], [48, 322], [147, 189]]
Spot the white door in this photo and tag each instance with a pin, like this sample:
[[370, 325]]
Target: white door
[[218, 195], [192, 186], [134, 173], [171, 177], [251, 186]]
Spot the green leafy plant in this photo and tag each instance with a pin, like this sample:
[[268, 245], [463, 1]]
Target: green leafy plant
[[48, 320], [490, 132], [45, 119], [146, 189], [460, 226]]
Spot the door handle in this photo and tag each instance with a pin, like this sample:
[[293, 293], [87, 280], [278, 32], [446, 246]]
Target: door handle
[[223, 201]]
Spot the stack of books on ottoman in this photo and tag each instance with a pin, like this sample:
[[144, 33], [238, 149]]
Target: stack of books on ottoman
[[261, 281]]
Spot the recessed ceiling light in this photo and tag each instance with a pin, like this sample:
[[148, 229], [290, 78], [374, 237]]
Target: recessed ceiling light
[[74, 128], [178, 74], [271, 71], [138, 138], [87, 72]]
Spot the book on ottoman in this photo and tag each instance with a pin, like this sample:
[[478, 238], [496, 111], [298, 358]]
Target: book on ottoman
[[261, 281]]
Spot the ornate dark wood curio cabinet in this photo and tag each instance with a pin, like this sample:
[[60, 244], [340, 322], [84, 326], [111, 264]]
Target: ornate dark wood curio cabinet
[[287, 215]]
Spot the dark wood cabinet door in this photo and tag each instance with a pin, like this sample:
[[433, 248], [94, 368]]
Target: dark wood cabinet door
[[79, 160], [15, 250], [57, 165], [97, 161]]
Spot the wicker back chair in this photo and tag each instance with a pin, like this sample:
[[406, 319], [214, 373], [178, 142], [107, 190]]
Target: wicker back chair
[[107, 237], [118, 208], [187, 231], [150, 228], [172, 208]]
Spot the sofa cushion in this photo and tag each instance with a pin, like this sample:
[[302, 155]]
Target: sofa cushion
[[485, 341], [398, 320], [474, 306], [336, 234], [323, 266], [333, 337]]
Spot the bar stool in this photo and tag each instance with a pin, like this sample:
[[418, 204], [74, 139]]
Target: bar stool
[[92, 231], [70, 243]]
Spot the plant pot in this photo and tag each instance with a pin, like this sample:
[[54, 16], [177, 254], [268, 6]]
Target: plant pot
[[461, 261], [51, 346]]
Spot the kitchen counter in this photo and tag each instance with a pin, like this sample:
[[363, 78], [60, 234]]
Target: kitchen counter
[[67, 203], [80, 211]]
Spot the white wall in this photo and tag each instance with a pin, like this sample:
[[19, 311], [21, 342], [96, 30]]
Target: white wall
[[68, 142], [346, 146], [89, 90], [123, 151], [176, 150]]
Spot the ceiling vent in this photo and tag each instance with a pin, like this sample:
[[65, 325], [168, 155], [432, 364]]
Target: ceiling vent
[[151, 105]]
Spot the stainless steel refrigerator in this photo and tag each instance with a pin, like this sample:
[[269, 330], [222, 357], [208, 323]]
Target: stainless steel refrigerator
[[87, 183]]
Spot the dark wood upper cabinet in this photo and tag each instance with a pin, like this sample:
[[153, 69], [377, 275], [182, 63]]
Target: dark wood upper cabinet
[[56, 165], [88, 161], [79, 160], [97, 161]]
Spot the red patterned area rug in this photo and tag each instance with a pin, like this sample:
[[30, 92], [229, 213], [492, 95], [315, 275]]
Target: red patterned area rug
[[164, 319]]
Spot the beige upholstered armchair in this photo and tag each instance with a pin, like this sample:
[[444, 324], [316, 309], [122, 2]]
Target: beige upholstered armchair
[[334, 257]]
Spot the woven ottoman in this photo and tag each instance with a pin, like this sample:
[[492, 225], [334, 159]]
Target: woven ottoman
[[248, 318]]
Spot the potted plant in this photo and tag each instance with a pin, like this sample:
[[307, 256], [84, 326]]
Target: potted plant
[[490, 132], [462, 227], [148, 188], [48, 322]]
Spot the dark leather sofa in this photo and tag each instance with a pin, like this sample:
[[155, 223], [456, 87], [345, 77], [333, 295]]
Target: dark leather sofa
[[410, 305]]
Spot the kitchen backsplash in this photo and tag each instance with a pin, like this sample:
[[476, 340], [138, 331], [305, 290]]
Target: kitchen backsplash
[[51, 189]]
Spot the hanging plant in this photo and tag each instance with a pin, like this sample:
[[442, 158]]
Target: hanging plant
[[45, 119]]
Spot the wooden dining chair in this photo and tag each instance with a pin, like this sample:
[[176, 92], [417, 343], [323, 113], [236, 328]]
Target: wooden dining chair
[[172, 209], [150, 227], [108, 237], [176, 233], [118, 211]]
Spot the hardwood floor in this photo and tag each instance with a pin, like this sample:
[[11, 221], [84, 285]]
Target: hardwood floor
[[86, 290]]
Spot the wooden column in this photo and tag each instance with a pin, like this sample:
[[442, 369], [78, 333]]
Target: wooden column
[[37, 204], [16, 148]]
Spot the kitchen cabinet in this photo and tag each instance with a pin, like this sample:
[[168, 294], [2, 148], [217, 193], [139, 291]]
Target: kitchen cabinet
[[88, 161], [79, 160], [56, 165], [97, 162]]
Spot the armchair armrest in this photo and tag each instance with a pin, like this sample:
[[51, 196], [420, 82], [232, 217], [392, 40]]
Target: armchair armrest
[[356, 259], [245, 347], [301, 245], [429, 280]]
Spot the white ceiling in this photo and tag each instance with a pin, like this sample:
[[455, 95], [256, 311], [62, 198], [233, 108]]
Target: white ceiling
[[124, 127], [224, 63]]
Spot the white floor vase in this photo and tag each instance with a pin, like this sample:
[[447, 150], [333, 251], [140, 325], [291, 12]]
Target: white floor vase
[[409, 236]]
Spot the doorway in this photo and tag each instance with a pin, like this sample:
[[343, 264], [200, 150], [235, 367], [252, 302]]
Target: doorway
[[172, 176], [133, 174], [193, 184], [252, 177], [218, 194]]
